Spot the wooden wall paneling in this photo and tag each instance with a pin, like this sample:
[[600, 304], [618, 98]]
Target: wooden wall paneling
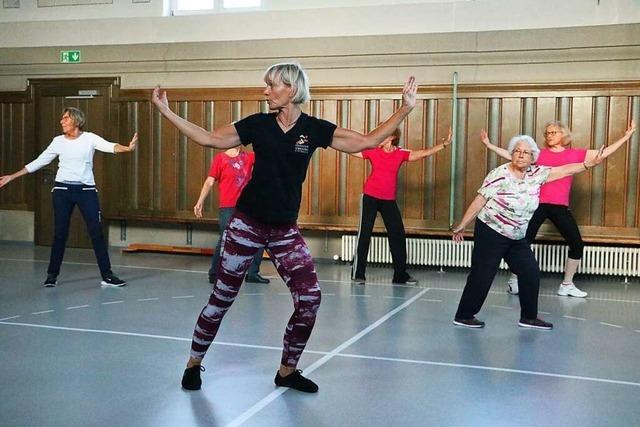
[[356, 169], [195, 175], [463, 163], [414, 172], [181, 162], [143, 158], [342, 120], [493, 130], [429, 128], [441, 189], [12, 153], [582, 131], [168, 166], [615, 167], [528, 119], [310, 205], [564, 109], [476, 153], [546, 110], [601, 120], [329, 169], [211, 204], [633, 208]]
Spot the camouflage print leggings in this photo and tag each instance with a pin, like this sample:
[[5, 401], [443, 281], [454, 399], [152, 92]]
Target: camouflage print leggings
[[290, 254]]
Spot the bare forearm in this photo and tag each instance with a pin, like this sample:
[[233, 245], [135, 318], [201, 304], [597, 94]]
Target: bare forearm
[[4, 180], [386, 128], [421, 154], [472, 211], [119, 148]]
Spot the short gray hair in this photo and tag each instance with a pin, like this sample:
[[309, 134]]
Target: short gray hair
[[535, 151], [76, 115], [291, 74]]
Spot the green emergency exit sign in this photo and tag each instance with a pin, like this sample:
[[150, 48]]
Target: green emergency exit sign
[[70, 56]]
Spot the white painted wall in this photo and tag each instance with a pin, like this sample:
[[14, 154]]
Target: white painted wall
[[407, 18]]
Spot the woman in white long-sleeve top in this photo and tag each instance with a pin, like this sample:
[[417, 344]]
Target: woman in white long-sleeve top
[[75, 185]]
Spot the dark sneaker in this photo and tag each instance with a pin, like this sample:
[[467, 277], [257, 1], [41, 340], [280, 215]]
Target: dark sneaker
[[359, 280], [51, 282], [469, 323], [212, 279], [191, 378], [407, 281], [112, 280], [535, 324], [257, 278], [296, 381]]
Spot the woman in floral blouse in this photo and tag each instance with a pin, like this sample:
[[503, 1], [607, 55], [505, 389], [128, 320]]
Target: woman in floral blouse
[[504, 205]]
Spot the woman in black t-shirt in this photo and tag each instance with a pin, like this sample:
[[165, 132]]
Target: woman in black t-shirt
[[267, 209]]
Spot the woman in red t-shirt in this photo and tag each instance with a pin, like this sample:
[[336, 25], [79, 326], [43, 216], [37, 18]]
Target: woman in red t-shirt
[[231, 169], [379, 195]]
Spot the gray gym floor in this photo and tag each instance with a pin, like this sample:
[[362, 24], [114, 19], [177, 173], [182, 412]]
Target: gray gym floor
[[383, 355]]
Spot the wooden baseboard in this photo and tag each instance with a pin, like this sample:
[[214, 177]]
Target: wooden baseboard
[[168, 249]]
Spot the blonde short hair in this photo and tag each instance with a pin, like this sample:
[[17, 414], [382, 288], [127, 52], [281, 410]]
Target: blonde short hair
[[292, 74], [567, 136]]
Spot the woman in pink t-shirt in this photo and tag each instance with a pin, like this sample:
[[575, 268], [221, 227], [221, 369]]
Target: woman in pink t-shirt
[[379, 195], [554, 196]]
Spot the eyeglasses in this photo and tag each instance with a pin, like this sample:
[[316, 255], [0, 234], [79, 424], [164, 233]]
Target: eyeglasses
[[552, 132], [521, 152]]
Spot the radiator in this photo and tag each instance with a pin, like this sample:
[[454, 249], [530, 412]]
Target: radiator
[[604, 260]]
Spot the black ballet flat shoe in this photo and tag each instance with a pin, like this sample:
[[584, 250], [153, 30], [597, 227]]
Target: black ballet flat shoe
[[191, 378], [296, 381]]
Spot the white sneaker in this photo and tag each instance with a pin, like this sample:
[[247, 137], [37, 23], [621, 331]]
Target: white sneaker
[[570, 290], [513, 285]]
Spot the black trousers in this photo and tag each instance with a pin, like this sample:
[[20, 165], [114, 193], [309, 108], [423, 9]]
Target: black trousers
[[65, 198], [370, 206], [489, 248], [562, 218]]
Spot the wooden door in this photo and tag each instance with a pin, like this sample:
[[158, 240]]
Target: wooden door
[[51, 97]]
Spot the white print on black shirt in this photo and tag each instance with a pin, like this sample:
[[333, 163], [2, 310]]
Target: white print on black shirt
[[302, 145]]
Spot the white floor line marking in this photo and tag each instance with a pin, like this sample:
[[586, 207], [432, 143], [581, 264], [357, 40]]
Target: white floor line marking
[[574, 318], [495, 369], [112, 302], [15, 317], [504, 307], [284, 293], [543, 312], [77, 306], [281, 390], [183, 296], [147, 299], [611, 324], [395, 297], [135, 267], [360, 296], [334, 353], [42, 312], [328, 295], [430, 300], [98, 331], [257, 293], [139, 267]]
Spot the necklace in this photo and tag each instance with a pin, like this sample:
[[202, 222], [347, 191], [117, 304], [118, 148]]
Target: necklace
[[285, 125]]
